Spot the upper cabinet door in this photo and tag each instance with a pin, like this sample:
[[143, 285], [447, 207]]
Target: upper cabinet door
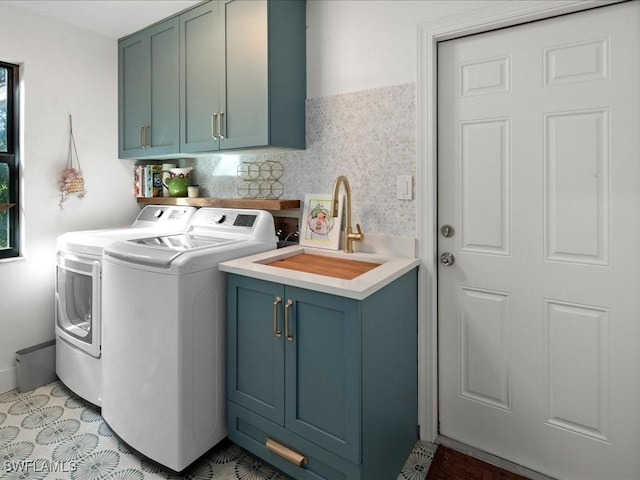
[[246, 83], [133, 95], [163, 136], [148, 80], [265, 78], [202, 59]]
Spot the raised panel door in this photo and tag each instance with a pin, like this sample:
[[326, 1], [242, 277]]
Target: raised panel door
[[539, 176]]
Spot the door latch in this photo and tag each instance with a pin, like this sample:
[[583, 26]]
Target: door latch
[[447, 259]]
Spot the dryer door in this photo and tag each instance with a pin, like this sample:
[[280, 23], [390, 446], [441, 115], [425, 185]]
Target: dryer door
[[78, 302]]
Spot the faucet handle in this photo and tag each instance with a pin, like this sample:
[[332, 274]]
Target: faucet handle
[[359, 235]]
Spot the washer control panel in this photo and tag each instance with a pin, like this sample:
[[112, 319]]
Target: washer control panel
[[233, 222], [207, 217]]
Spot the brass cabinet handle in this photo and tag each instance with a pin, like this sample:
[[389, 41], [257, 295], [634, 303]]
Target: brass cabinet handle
[[287, 307], [220, 135], [277, 302], [144, 135], [285, 452], [214, 117]]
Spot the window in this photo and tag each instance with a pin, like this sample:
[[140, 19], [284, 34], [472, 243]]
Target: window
[[9, 146]]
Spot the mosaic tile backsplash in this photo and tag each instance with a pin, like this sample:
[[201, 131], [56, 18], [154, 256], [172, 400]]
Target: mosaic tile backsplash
[[368, 136]]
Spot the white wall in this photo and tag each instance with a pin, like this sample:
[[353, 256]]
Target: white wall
[[355, 45], [65, 71]]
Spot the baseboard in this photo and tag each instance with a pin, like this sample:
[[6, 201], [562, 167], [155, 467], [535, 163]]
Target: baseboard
[[8, 380]]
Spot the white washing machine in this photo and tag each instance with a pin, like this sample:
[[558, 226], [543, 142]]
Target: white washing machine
[[78, 294], [164, 356]]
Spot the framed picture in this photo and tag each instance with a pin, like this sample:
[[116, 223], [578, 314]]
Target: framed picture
[[319, 228]]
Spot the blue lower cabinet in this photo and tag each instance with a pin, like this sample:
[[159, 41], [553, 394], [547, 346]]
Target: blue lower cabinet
[[322, 377]]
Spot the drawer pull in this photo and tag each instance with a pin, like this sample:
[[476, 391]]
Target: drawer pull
[[285, 452]]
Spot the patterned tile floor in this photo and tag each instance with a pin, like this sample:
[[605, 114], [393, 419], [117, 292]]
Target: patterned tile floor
[[52, 434]]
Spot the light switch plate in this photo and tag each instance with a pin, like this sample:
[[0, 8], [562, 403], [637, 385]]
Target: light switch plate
[[405, 187]]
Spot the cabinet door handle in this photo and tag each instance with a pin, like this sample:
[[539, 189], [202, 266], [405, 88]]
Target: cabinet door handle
[[147, 141], [277, 302], [220, 134], [285, 452], [287, 308], [214, 116]]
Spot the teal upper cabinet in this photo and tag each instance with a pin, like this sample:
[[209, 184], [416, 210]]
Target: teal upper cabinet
[[238, 80], [148, 68], [202, 59], [243, 74]]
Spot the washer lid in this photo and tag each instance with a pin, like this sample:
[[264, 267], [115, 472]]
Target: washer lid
[[163, 250], [181, 242], [152, 220], [93, 242]]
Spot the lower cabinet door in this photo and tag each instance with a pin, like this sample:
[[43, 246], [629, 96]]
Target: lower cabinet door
[[323, 371], [252, 432], [255, 346]]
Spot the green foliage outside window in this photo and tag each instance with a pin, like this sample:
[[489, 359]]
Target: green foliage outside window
[[4, 198], [4, 170], [4, 184], [3, 109]]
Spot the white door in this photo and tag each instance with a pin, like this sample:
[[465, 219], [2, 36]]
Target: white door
[[539, 178]]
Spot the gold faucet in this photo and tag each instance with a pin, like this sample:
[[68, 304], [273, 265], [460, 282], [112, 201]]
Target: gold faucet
[[349, 236]]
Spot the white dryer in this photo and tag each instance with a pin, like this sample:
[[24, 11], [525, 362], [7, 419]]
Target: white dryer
[[79, 291], [164, 358]]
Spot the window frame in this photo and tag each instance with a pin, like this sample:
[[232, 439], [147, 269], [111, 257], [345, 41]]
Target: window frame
[[12, 160]]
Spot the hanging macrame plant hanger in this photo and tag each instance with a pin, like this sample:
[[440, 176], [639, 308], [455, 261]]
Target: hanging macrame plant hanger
[[71, 181]]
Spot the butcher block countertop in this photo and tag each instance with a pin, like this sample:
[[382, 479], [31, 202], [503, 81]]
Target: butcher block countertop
[[323, 265]]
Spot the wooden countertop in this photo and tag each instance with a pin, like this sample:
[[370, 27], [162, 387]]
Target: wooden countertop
[[323, 265]]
